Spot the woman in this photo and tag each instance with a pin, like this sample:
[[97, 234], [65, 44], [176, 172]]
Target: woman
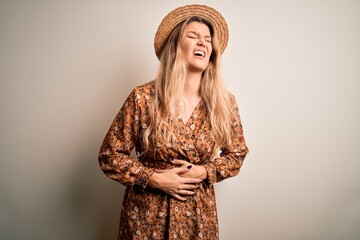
[[186, 130]]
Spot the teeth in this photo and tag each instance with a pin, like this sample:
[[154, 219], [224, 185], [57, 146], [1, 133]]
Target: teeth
[[199, 53]]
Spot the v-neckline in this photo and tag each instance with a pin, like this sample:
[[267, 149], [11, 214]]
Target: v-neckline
[[191, 115]]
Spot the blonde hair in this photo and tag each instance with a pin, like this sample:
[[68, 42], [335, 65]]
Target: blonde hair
[[169, 85]]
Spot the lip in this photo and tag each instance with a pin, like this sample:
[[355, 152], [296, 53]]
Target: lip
[[199, 51]]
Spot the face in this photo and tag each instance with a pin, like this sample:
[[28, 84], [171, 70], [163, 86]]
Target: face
[[196, 46]]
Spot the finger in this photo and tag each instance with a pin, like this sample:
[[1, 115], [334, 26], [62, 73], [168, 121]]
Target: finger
[[186, 192], [180, 162], [191, 180], [190, 186], [184, 169], [178, 197], [160, 170]]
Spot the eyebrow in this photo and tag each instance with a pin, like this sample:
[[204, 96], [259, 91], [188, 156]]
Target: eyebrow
[[196, 33]]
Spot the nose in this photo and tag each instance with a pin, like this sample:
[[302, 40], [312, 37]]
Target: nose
[[200, 42]]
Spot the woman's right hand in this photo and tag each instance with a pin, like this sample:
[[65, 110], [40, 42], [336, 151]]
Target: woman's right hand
[[170, 182]]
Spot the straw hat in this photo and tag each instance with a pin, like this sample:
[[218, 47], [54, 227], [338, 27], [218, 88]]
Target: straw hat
[[172, 19]]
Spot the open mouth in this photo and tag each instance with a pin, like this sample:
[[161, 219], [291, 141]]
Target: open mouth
[[199, 53]]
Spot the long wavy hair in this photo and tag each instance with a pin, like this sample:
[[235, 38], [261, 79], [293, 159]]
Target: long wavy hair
[[169, 85]]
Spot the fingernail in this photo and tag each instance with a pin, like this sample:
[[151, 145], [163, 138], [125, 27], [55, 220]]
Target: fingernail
[[190, 166]]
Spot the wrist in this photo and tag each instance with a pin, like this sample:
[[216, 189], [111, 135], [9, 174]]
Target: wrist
[[201, 172], [153, 180]]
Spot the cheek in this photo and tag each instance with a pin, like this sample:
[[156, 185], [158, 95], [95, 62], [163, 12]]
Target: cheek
[[185, 48], [211, 51], [209, 56]]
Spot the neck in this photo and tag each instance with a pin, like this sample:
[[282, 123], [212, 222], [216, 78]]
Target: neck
[[192, 85]]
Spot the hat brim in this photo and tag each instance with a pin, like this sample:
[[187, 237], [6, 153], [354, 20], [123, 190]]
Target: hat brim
[[172, 19]]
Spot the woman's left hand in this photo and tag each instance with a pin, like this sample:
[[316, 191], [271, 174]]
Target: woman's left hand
[[196, 171]]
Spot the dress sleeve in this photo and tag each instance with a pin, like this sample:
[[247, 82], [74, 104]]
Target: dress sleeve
[[114, 156], [232, 156]]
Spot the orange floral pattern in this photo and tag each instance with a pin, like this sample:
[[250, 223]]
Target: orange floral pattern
[[149, 213]]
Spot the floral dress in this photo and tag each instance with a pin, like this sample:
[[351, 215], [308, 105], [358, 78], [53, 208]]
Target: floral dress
[[148, 213]]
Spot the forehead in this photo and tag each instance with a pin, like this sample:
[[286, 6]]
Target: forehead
[[197, 27]]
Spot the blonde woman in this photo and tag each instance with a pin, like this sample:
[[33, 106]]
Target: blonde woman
[[186, 130]]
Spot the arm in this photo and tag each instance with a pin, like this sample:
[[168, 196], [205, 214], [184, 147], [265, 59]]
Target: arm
[[116, 163], [232, 156], [114, 156], [228, 163]]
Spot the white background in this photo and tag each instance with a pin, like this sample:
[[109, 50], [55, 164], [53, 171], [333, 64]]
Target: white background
[[294, 66]]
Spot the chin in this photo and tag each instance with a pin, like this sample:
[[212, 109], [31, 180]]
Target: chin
[[197, 68]]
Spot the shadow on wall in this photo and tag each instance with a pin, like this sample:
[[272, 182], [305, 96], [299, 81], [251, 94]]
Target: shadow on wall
[[94, 200]]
